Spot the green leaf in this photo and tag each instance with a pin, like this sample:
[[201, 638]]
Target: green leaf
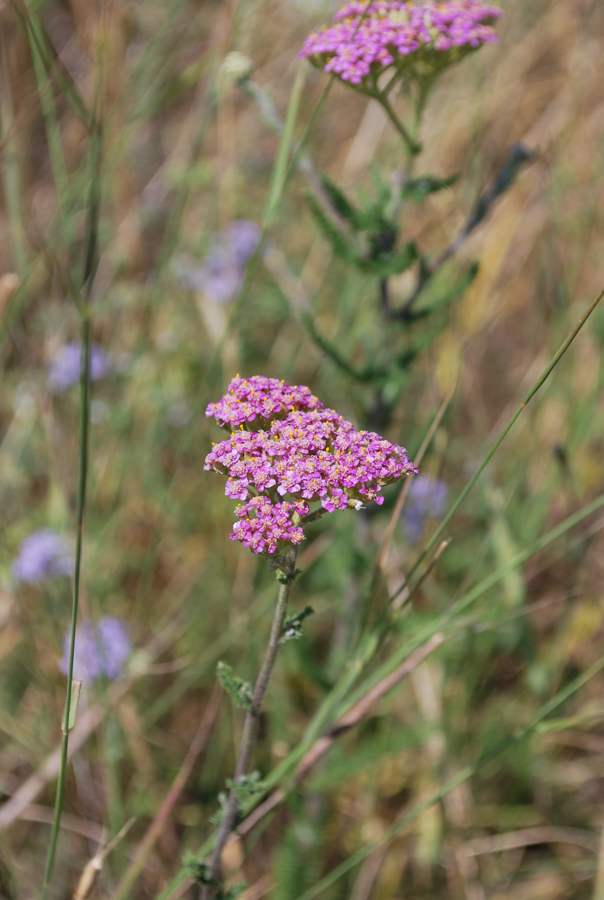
[[198, 871], [393, 264], [340, 245], [292, 629], [246, 786], [370, 374], [238, 690], [235, 891], [418, 189], [76, 687], [216, 819], [341, 203]]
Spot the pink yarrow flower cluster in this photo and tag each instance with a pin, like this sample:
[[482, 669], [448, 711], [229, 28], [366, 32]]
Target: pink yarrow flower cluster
[[399, 34], [285, 452]]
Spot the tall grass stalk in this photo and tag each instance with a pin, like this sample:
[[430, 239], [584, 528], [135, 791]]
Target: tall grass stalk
[[83, 284], [84, 420]]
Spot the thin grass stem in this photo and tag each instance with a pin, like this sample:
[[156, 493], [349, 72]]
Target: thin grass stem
[[535, 388], [89, 264], [84, 414]]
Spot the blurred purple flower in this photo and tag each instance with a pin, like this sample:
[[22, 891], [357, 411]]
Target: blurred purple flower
[[43, 554], [101, 649], [427, 498], [64, 370], [115, 646], [221, 273]]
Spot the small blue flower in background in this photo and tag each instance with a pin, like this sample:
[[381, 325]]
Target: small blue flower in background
[[43, 554], [220, 275], [101, 649], [64, 370], [427, 497]]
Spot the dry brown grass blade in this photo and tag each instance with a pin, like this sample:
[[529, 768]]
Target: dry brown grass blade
[[524, 837]]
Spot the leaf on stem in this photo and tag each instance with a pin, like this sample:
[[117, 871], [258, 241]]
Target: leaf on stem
[[246, 786], [292, 628], [76, 688], [198, 871], [342, 204], [239, 691], [417, 189], [339, 243]]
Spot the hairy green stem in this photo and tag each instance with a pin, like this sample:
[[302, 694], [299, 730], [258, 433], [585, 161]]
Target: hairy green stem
[[250, 731]]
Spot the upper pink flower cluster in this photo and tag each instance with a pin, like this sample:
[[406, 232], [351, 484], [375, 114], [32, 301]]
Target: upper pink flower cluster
[[310, 454], [398, 34], [259, 397]]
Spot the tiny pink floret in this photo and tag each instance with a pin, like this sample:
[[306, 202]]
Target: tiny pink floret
[[286, 451]]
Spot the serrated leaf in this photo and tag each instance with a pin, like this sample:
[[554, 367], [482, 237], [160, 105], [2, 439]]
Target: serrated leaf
[[292, 629], [239, 691], [339, 243], [368, 375], [418, 189], [341, 203], [246, 786], [394, 264]]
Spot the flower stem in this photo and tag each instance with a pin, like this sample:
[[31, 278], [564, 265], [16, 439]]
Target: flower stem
[[81, 501], [414, 147], [250, 730]]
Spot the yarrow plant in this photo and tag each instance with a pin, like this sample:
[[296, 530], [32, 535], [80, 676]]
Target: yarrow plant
[[375, 48], [289, 460], [287, 452], [417, 39]]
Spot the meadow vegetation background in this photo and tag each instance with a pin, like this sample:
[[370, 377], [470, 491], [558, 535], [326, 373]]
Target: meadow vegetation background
[[185, 152]]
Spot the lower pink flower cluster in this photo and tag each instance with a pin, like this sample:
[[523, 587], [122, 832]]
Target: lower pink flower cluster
[[398, 33], [312, 455]]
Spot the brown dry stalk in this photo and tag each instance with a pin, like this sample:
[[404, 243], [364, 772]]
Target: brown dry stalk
[[524, 837]]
